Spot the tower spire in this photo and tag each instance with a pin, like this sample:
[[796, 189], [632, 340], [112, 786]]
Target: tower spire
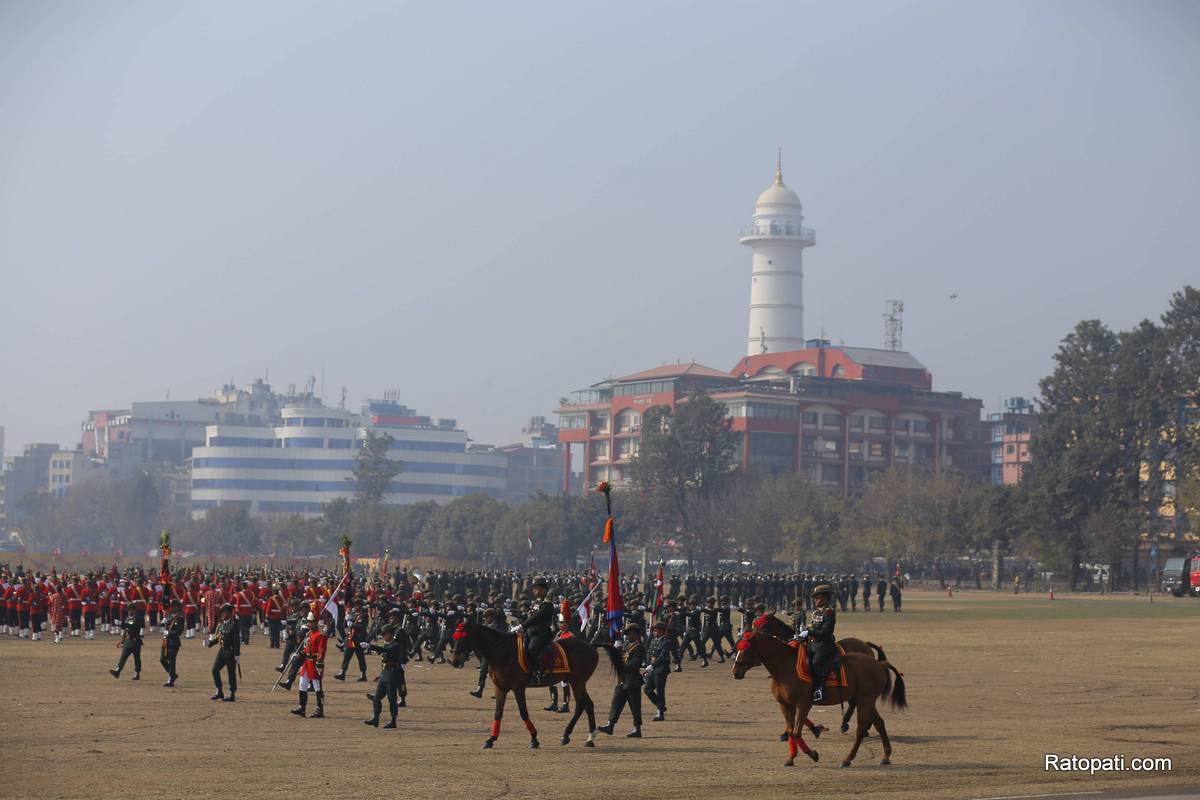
[[779, 167]]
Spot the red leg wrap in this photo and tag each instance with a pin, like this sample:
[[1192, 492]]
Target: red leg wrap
[[793, 748], [495, 728], [529, 726], [803, 745]]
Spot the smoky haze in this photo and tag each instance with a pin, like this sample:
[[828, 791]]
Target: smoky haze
[[485, 206]]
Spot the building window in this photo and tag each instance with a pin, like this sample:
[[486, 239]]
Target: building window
[[810, 418], [628, 421], [572, 421], [875, 449], [922, 426], [831, 419], [878, 423], [1010, 449]]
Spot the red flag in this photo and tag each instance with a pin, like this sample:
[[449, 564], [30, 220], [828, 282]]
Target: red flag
[[616, 608], [658, 589]]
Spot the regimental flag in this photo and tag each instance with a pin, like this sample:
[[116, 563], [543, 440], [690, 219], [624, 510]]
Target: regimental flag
[[616, 608], [656, 606], [383, 568]]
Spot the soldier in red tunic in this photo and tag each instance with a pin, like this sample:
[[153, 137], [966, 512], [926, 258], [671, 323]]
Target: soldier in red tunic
[[312, 668]]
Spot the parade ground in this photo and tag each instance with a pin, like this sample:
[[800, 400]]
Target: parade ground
[[995, 684]]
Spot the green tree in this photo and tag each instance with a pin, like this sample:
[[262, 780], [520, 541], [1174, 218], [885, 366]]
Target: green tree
[[685, 454], [373, 470], [464, 529]]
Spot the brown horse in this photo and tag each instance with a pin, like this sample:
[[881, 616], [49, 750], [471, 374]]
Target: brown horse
[[866, 681], [774, 626], [500, 650]]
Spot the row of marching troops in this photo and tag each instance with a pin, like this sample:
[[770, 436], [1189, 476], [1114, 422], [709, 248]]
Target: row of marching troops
[[777, 590], [398, 620]]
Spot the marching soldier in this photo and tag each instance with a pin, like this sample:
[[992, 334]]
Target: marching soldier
[[130, 644], [658, 667], [676, 620], [710, 630], [866, 587], [564, 632], [725, 623], [226, 635], [173, 629], [822, 649], [881, 588], [629, 684], [492, 618], [276, 611], [312, 668], [395, 653], [356, 638], [691, 634]]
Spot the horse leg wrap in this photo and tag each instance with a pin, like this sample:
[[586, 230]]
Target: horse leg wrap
[[529, 726], [495, 729], [802, 744], [793, 747]]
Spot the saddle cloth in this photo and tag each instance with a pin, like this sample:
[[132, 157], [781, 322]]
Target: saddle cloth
[[554, 658], [836, 677]]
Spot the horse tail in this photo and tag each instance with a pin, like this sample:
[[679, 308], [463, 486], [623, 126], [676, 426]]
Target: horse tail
[[614, 655], [879, 654], [896, 694]]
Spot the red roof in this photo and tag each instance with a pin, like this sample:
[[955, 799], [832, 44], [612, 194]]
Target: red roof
[[690, 369]]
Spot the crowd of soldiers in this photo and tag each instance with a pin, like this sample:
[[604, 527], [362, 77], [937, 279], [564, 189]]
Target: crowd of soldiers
[[407, 616]]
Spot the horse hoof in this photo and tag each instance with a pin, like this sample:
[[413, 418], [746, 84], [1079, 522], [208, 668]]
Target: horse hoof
[[488, 744], [589, 743], [818, 730], [534, 745], [845, 727], [885, 762], [845, 764], [789, 763], [783, 737], [565, 740]]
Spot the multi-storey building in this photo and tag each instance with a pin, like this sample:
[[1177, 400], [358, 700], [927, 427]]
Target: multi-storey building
[[307, 459], [23, 474], [811, 411], [534, 465], [1011, 431]]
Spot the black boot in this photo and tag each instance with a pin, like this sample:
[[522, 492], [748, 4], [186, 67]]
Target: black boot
[[374, 721], [116, 673], [320, 712], [220, 695], [232, 696], [391, 724], [362, 677], [299, 710], [478, 692], [341, 676], [137, 676]]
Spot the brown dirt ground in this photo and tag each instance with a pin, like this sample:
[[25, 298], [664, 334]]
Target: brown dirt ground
[[994, 683]]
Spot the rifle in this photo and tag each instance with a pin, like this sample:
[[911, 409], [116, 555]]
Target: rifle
[[288, 666]]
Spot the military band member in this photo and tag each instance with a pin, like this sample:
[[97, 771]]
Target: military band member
[[658, 667], [564, 632], [629, 684], [130, 644], [173, 630], [276, 611], [312, 668], [226, 637], [881, 588], [395, 653]]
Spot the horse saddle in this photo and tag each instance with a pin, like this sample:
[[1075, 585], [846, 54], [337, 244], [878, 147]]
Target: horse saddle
[[836, 675], [554, 658]]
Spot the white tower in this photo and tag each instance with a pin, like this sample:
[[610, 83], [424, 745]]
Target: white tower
[[777, 275]]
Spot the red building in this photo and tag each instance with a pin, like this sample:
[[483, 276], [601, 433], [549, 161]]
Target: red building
[[840, 415]]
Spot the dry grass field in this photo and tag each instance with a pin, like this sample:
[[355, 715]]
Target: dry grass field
[[994, 681]]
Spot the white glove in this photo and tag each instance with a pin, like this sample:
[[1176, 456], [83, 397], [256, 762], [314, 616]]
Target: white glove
[[803, 634], [515, 629]]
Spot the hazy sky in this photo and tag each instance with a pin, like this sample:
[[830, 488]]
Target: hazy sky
[[487, 205]]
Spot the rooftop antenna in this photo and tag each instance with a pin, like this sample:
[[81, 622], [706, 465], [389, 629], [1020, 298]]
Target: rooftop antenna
[[893, 325], [779, 167], [342, 404]]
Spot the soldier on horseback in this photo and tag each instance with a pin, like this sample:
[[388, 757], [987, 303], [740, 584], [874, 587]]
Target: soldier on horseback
[[822, 647], [537, 628]]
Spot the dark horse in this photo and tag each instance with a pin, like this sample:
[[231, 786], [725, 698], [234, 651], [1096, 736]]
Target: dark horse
[[867, 680], [500, 650], [773, 626]]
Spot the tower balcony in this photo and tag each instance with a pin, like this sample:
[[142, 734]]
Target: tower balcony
[[792, 234]]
